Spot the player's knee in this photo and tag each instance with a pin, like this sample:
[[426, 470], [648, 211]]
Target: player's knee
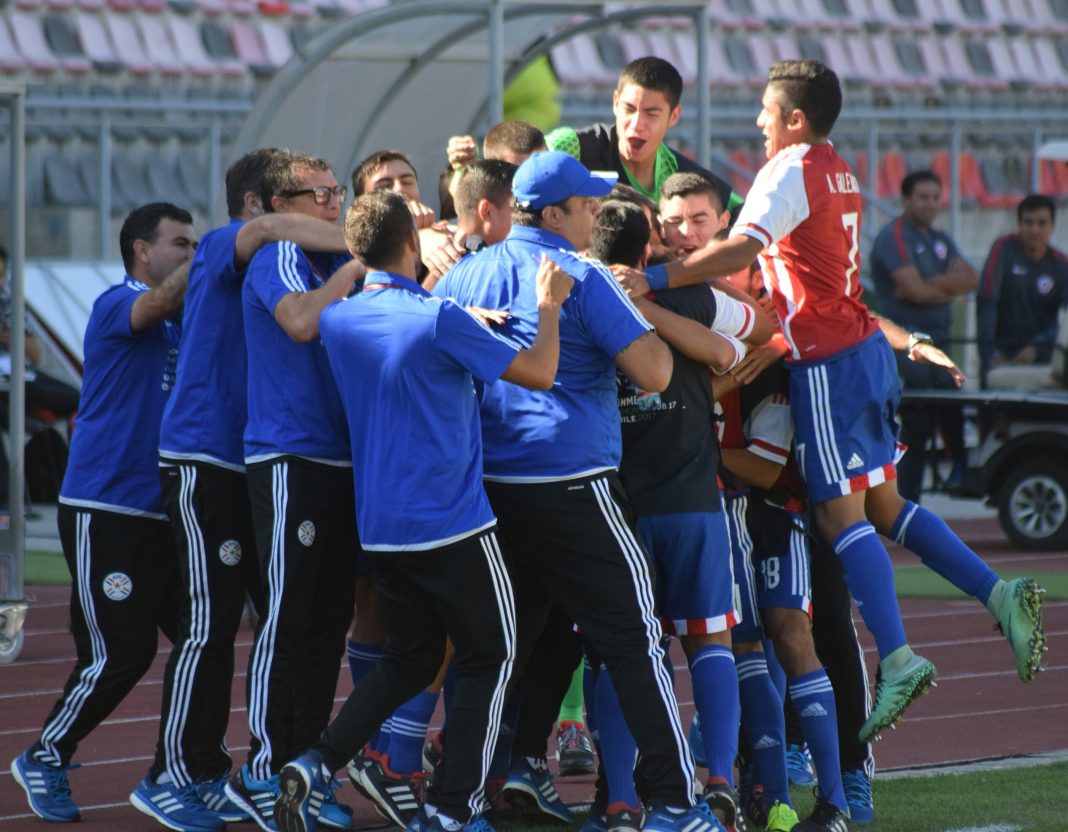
[[792, 634]]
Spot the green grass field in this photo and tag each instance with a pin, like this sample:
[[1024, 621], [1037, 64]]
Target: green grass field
[[1017, 800], [45, 569]]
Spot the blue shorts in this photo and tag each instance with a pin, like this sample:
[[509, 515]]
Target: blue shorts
[[749, 626], [845, 425], [694, 584], [781, 557]]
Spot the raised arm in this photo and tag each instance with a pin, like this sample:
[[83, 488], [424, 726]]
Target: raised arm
[[717, 259], [298, 312], [647, 362], [535, 368], [160, 303], [310, 233], [692, 338]]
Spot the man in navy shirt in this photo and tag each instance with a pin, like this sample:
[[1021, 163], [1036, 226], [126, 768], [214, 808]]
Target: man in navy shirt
[[918, 271], [296, 450], [1024, 290], [551, 460], [112, 524], [424, 518], [202, 469]]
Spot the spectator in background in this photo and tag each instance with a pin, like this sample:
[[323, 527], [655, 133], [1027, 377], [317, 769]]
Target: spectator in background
[[918, 272], [1023, 291], [45, 394]]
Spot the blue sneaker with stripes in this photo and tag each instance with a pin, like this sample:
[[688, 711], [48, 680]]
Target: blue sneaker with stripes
[[176, 807], [213, 792], [700, 818], [256, 797], [530, 789], [46, 787], [302, 789], [857, 788]]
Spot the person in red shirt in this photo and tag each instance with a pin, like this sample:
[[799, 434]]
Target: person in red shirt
[[802, 219]]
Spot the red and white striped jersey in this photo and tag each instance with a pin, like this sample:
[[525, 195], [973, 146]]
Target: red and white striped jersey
[[804, 207]]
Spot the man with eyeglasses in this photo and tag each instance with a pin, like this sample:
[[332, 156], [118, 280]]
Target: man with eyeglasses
[[205, 491], [296, 450]]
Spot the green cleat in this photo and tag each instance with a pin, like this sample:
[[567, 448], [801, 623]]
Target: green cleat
[[904, 677], [782, 818], [1017, 605]]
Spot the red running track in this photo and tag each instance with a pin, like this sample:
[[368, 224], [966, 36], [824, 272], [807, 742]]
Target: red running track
[[980, 710]]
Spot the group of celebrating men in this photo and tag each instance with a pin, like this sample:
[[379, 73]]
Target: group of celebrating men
[[504, 459]]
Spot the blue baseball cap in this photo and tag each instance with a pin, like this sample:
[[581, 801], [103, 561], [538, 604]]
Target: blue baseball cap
[[548, 178]]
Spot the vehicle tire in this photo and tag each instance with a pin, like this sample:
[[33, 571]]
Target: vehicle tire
[[1033, 505], [10, 648]]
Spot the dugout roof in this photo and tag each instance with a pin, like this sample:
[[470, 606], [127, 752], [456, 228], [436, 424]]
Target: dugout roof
[[411, 74]]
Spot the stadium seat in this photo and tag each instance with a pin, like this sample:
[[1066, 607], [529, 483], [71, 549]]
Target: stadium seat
[[328, 9], [64, 44], [1052, 66], [276, 44], [893, 70], [950, 15], [1023, 51], [63, 183], [684, 48], [839, 58], [892, 169], [610, 50], [163, 179], [193, 177], [1000, 192], [129, 44], [92, 5], [152, 6], [250, 50], [11, 59], [59, 5], [1003, 59], [212, 8], [217, 41], [843, 15], [273, 8], [31, 42], [241, 8], [741, 182], [123, 5], [773, 14], [190, 47], [961, 66], [764, 50], [862, 58], [722, 74], [129, 184], [899, 16], [162, 51], [95, 41], [636, 45], [735, 15], [1036, 17]]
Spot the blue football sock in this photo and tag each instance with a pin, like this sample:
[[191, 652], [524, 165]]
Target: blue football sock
[[380, 741], [363, 659], [762, 719], [778, 675], [715, 693], [589, 684], [618, 749], [870, 579], [813, 700], [927, 534], [407, 732]]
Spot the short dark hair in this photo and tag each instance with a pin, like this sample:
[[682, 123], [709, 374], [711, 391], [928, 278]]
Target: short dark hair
[[653, 74], [247, 174], [918, 177], [284, 169], [377, 227], [486, 179], [1036, 202], [811, 87], [143, 224], [514, 135], [691, 184], [373, 163], [626, 193], [620, 233]]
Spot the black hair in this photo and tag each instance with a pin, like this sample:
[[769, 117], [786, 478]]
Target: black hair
[[918, 177], [378, 226], [486, 179], [1036, 202], [690, 184], [811, 87], [247, 174], [653, 74], [143, 224], [620, 233], [514, 135], [374, 162]]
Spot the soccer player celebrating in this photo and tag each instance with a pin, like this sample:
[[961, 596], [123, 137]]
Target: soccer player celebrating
[[802, 217]]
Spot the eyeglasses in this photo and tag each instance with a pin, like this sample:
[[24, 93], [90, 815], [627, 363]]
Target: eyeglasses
[[322, 194]]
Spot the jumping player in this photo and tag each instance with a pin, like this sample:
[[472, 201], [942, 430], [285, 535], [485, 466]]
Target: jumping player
[[802, 218]]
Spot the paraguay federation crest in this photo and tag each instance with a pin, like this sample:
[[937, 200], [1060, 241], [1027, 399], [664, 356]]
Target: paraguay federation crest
[[118, 586], [230, 552], [306, 533]]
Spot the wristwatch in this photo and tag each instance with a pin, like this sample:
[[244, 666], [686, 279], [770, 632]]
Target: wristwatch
[[915, 339]]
